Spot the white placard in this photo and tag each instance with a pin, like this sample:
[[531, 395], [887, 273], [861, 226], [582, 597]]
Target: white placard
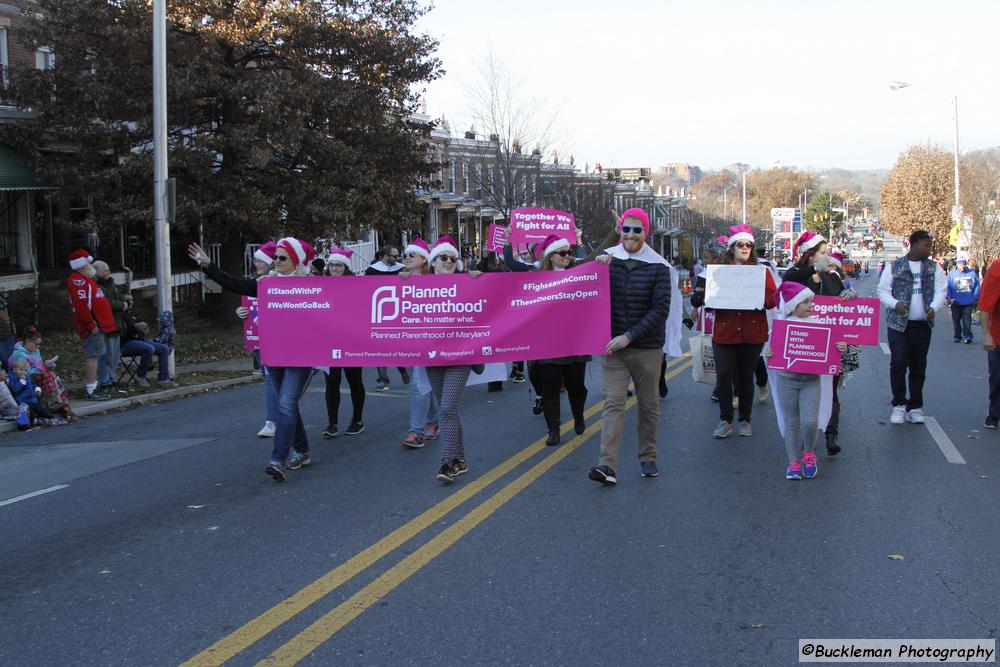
[[735, 287]]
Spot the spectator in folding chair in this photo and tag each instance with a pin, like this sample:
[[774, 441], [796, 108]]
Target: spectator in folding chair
[[135, 345], [41, 371]]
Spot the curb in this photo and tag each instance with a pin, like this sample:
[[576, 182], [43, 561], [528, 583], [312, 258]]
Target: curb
[[153, 397]]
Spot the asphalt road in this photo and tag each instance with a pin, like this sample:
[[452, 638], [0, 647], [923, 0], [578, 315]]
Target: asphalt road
[[169, 544]]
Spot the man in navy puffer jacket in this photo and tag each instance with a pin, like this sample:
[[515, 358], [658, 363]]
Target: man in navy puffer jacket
[[640, 302]]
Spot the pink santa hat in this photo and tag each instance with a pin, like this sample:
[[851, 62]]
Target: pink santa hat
[[837, 258], [807, 242], [551, 244], [265, 253], [300, 252], [740, 233], [790, 295], [444, 244], [420, 247], [340, 256], [639, 215]]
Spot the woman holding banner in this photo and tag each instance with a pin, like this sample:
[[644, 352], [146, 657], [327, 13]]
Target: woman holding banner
[[339, 264], [423, 407], [447, 382], [738, 338], [820, 271]]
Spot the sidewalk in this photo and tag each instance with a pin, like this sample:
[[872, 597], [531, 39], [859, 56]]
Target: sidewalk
[[83, 408]]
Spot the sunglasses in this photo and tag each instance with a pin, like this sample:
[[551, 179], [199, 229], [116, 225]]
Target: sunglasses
[[411, 255], [447, 258], [562, 253], [280, 258], [743, 244], [628, 229]]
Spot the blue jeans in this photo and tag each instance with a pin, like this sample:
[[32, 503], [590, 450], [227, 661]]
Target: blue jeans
[[270, 397], [424, 408], [290, 384], [108, 364], [145, 349]]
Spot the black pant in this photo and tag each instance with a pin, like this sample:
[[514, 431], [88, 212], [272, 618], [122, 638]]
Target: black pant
[[833, 426], [760, 372], [333, 393], [551, 377], [908, 351], [993, 360], [961, 318], [735, 366], [536, 384]]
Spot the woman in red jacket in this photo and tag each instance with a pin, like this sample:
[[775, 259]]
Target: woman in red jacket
[[738, 339]]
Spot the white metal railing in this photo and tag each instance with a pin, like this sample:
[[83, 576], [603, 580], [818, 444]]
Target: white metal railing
[[364, 253]]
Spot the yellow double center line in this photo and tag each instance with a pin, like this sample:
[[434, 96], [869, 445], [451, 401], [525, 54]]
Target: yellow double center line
[[324, 628]]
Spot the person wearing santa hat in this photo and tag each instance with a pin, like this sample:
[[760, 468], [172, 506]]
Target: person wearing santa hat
[[94, 318], [803, 401], [263, 261], [424, 408], [387, 264], [819, 270], [738, 338], [338, 263], [447, 382], [641, 296]]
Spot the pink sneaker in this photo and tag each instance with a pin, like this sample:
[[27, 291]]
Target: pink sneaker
[[809, 469], [412, 441], [430, 431], [794, 471]]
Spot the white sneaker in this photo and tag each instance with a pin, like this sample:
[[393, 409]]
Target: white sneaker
[[267, 431], [898, 415], [915, 416], [762, 394]]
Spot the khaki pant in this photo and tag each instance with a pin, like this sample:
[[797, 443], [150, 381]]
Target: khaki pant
[[643, 366]]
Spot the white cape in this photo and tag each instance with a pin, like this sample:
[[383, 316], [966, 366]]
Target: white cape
[[672, 341], [825, 397]]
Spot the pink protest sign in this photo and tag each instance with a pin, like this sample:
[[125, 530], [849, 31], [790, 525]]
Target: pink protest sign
[[532, 225], [706, 322], [434, 320], [496, 239], [251, 339], [804, 347], [854, 321]]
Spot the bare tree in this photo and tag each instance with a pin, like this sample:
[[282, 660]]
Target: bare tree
[[980, 180]]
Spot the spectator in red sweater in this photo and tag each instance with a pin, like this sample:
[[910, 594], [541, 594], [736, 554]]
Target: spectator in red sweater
[[94, 319], [989, 317]]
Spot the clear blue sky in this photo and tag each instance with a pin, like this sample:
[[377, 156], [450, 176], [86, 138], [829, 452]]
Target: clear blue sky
[[713, 82]]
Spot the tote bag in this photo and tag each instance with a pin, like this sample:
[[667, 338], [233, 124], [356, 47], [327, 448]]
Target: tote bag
[[702, 354]]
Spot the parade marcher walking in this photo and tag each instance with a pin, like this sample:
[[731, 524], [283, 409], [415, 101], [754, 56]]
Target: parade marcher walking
[[989, 317], [640, 303], [913, 290], [424, 408], [738, 337], [338, 263], [387, 264], [963, 293]]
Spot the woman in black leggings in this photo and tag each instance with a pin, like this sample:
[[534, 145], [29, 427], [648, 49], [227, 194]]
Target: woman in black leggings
[[338, 264]]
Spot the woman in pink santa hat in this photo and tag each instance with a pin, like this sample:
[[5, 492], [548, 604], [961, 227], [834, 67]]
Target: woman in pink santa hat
[[820, 270], [338, 263], [803, 401], [424, 408], [447, 382]]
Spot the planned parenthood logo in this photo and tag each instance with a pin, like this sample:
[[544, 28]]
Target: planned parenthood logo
[[385, 304]]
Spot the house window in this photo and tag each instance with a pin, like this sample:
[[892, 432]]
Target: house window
[[479, 181], [45, 58], [4, 58], [465, 178], [451, 177]]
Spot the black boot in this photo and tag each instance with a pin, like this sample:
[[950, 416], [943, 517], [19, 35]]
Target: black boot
[[553, 438], [536, 408], [832, 443], [576, 404]]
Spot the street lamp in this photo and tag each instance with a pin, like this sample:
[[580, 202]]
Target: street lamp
[[725, 201]]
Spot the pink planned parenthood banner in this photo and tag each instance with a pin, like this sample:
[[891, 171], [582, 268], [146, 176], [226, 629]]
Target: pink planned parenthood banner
[[251, 339], [496, 239], [804, 347], [855, 320], [533, 225], [434, 320]]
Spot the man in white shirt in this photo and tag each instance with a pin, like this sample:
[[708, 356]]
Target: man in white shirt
[[913, 289]]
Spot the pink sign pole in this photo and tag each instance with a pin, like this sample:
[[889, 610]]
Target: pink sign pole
[[434, 320]]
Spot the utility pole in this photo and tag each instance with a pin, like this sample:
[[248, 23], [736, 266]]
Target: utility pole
[[164, 279]]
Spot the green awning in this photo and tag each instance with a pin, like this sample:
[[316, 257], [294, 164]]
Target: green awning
[[15, 174]]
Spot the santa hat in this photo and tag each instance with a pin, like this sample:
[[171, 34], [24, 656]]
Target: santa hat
[[551, 244], [740, 233], [79, 259], [444, 244], [807, 242], [340, 256], [420, 247], [639, 215], [790, 295], [837, 258], [265, 253], [300, 252]]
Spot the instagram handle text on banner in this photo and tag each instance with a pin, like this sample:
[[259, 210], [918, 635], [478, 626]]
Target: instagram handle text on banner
[[434, 320]]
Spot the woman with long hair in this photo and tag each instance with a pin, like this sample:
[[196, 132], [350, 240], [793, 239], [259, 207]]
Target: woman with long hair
[[338, 263], [738, 338], [424, 408], [41, 371]]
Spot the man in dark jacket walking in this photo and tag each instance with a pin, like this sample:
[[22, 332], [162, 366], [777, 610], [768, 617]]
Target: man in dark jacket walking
[[640, 302]]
